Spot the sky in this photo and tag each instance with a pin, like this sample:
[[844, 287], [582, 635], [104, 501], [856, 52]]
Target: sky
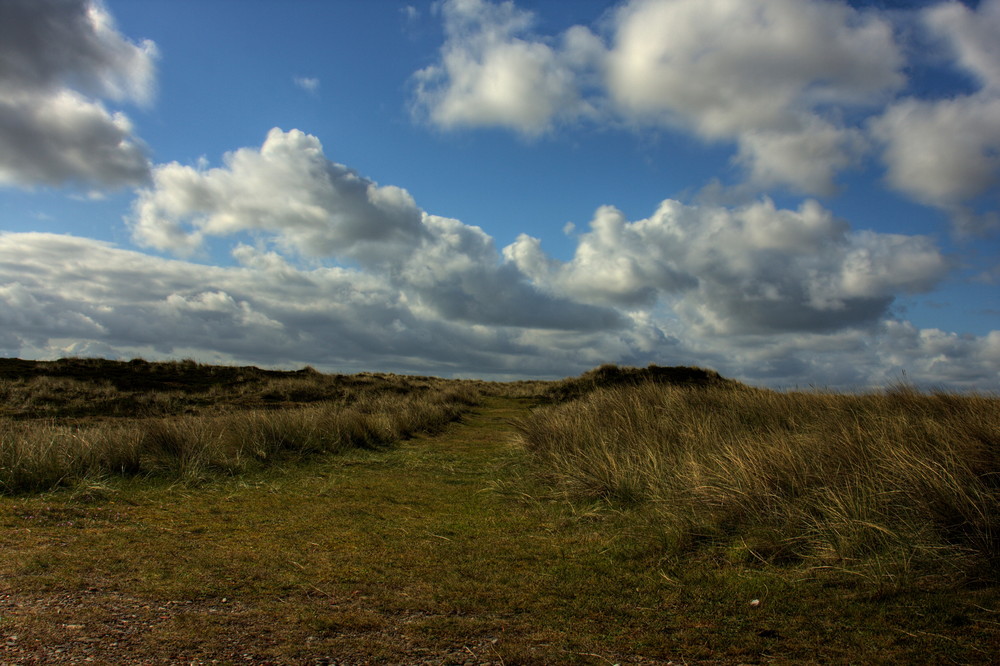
[[795, 193]]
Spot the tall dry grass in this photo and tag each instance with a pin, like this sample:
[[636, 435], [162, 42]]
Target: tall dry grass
[[828, 478], [85, 388], [42, 454]]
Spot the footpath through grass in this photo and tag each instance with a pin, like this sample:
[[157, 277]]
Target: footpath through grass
[[429, 552]]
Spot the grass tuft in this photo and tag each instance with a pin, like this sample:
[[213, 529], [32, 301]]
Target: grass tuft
[[821, 478], [74, 426]]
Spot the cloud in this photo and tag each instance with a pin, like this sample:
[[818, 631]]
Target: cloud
[[61, 294], [64, 295], [750, 270], [894, 351], [944, 152], [769, 75], [307, 83], [807, 159], [286, 188], [51, 44], [772, 295], [65, 138], [288, 193], [790, 83], [337, 271], [803, 89], [489, 75], [134, 301], [457, 272], [58, 55], [940, 358], [971, 35], [758, 72], [728, 66]]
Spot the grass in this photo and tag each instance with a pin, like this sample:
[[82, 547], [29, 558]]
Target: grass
[[69, 423], [455, 546], [888, 485], [36, 457], [81, 390]]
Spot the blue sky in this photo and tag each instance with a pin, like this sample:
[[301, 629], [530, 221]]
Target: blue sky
[[793, 192]]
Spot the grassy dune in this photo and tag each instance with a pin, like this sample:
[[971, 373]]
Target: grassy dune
[[896, 481], [78, 420], [180, 513]]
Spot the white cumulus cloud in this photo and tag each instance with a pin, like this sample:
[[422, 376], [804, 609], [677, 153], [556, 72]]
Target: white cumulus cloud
[[728, 66], [771, 76], [944, 152], [765, 293], [753, 269], [287, 188], [972, 37], [287, 192], [757, 72], [492, 73], [59, 57], [803, 90]]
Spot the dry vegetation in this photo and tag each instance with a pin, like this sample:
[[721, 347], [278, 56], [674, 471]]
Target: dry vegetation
[[184, 513], [79, 420], [895, 482]]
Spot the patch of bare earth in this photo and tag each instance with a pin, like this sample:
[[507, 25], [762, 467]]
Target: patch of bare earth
[[108, 628]]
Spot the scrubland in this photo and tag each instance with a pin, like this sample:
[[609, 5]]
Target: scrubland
[[80, 420], [889, 484], [179, 512]]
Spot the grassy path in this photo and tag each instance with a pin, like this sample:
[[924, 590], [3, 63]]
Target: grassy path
[[424, 553]]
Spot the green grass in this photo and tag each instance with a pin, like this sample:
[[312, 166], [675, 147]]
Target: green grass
[[447, 547]]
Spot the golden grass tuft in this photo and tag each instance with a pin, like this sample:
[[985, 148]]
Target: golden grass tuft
[[816, 477], [82, 419]]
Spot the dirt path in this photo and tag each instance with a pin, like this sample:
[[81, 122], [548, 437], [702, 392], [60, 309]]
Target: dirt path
[[409, 555]]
